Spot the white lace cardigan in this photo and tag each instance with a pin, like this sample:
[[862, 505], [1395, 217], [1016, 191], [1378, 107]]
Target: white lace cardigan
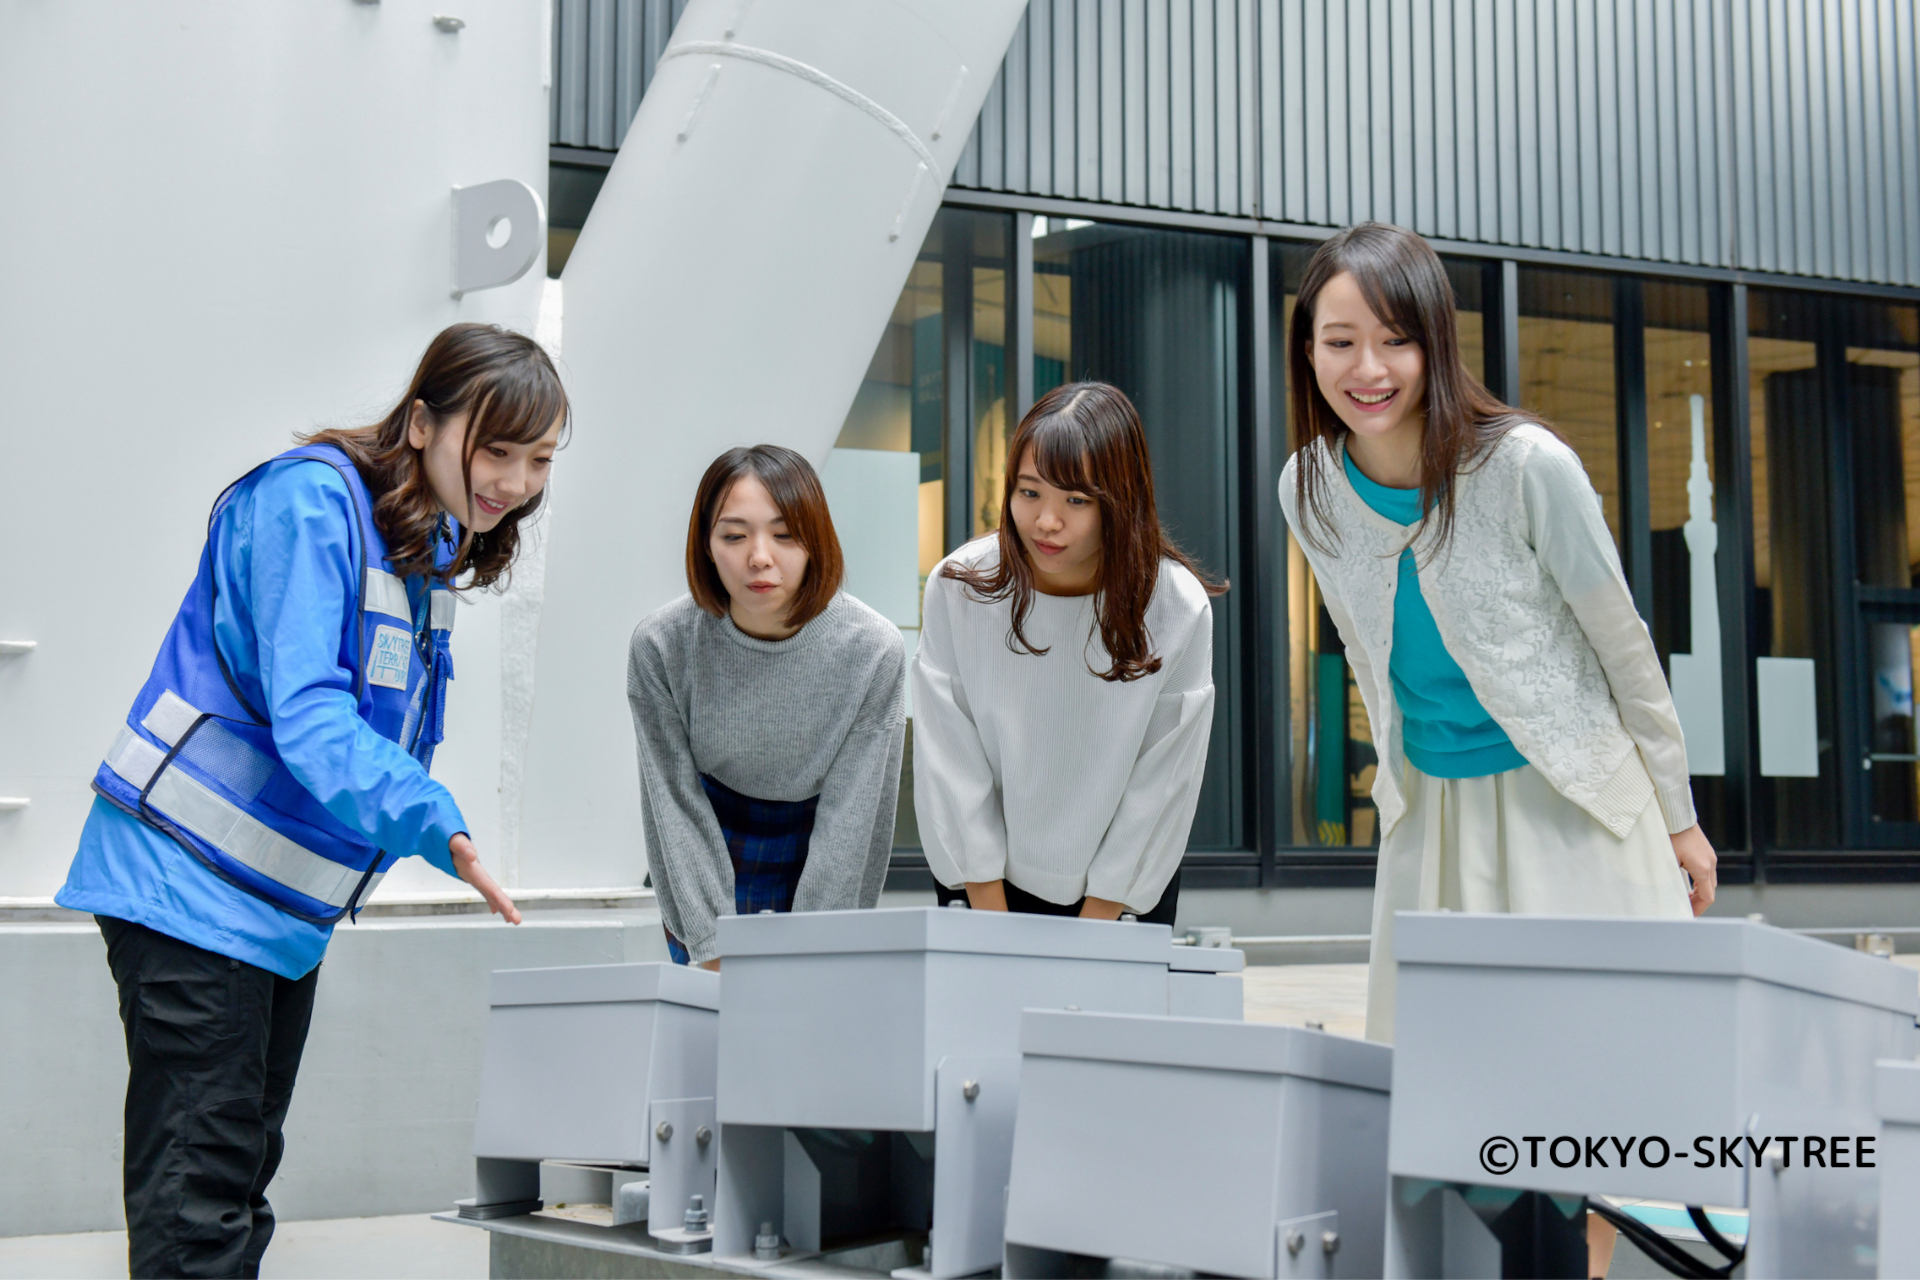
[[1530, 601]]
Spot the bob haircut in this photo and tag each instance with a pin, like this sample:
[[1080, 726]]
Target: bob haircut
[[507, 385], [1404, 284], [802, 503], [1087, 438]]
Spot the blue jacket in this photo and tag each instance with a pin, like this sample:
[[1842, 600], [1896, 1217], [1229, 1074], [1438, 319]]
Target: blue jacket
[[285, 565]]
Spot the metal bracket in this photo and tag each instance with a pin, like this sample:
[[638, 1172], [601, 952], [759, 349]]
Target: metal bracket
[[975, 1100], [682, 1163], [502, 1189], [1307, 1246], [498, 228]]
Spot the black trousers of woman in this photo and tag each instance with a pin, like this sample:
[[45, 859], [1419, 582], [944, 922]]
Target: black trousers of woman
[[213, 1046], [1019, 899]]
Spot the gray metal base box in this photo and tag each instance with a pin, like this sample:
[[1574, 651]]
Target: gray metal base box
[[1897, 1098], [869, 1065], [604, 1065], [1205, 982], [1232, 1149], [1667, 1035]]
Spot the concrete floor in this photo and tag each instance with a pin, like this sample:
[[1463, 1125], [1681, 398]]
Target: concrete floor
[[411, 1246]]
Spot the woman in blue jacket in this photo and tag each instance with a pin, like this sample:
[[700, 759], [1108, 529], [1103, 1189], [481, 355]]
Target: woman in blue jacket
[[275, 765]]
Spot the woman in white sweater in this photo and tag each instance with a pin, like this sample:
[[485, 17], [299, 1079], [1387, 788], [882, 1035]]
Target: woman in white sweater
[[1531, 760], [1063, 686]]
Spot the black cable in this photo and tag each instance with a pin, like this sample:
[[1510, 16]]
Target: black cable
[[1670, 1257], [1711, 1234]]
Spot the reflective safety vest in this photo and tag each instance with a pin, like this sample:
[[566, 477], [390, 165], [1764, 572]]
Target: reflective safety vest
[[197, 761]]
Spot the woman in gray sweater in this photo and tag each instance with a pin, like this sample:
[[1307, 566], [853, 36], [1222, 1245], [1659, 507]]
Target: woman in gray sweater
[[769, 707]]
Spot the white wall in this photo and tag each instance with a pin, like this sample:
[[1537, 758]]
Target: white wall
[[382, 1116], [223, 222]]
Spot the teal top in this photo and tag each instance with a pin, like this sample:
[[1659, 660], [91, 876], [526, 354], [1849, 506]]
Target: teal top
[[1446, 732]]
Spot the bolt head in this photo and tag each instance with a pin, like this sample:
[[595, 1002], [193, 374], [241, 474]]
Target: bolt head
[[970, 1090], [1294, 1240], [1330, 1241], [663, 1131], [703, 1135]]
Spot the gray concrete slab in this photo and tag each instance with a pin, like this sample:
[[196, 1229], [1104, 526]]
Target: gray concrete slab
[[405, 1247], [382, 1119]]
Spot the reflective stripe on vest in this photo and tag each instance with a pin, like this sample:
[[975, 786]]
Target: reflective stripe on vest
[[224, 825], [387, 594]]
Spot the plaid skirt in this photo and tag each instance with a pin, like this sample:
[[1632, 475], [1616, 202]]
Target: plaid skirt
[[767, 841]]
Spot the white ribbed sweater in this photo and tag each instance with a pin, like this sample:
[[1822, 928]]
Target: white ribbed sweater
[[1034, 770]]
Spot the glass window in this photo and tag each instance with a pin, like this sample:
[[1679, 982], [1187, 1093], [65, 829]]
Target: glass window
[[1836, 447], [1332, 754], [1685, 542], [1567, 370], [1792, 545], [1158, 314], [886, 475], [1880, 394]]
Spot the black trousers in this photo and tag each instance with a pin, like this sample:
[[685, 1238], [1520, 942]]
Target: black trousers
[[213, 1045], [1019, 899]]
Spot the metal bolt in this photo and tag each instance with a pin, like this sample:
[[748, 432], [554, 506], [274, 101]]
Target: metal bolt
[[1330, 1242], [703, 1135], [447, 22], [663, 1131], [1315, 1024], [970, 1089], [766, 1245], [1073, 1008], [1295, 1241], [696, 1217]]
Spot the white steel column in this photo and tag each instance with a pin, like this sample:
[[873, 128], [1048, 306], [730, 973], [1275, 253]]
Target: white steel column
[[729, 288]]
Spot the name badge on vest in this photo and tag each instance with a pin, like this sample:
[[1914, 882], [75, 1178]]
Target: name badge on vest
[[387, 663]]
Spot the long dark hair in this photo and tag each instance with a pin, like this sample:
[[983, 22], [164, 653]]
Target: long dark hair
[[1087, 438], [1404, 284], [795, 489], [510, 391]]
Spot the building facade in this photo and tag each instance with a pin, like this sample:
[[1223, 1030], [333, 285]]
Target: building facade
[[1687, 233]]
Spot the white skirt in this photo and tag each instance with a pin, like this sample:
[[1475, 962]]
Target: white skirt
[[1510, 842]]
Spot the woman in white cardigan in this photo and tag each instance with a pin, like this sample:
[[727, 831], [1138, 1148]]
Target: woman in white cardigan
[[1063, 685], [1531, 760]]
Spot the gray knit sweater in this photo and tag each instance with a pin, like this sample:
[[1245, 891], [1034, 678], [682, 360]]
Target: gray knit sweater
[[821, 713]]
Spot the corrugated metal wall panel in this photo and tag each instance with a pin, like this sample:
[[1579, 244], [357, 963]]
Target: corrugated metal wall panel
[[1775, 135]]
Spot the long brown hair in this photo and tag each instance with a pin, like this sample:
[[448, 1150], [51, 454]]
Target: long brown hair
[[1405, 285], [1087, 438], [510, 391], [795, 489]]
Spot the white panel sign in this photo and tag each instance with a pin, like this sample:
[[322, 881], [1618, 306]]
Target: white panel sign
[[874, 495], [1789, 729], [1696, 698]]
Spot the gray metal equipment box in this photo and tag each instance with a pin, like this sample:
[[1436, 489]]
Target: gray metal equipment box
[[1233, 1149], [854, 1045], [1205, 982], [1664, 1037], [584, 1064], [1897, 1096]]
